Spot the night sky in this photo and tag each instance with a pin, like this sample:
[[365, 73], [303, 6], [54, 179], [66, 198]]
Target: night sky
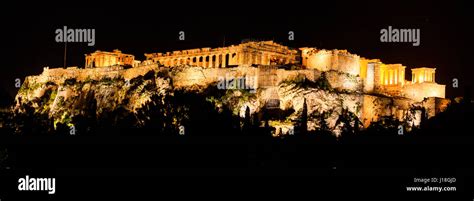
[[141, 28]]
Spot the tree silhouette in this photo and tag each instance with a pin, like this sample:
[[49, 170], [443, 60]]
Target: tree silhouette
[[246, 123], [304, 118]]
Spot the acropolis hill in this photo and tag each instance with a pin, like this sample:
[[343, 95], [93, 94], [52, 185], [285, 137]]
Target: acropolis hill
[[368, 88]]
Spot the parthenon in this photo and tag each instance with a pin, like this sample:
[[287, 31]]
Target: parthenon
[[249, 53]]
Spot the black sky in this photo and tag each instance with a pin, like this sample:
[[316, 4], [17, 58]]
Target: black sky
[[143, 27]]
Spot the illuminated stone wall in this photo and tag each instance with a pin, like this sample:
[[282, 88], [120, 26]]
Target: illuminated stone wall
[[58, 75], [369, 77], [419, 91], [324, 60], [199, 76]]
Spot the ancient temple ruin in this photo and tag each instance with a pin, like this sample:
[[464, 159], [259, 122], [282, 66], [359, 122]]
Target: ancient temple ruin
[[377, 77], [248, 53], [100, 59]]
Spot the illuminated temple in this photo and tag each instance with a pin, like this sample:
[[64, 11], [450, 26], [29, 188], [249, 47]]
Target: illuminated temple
[[249, 53]]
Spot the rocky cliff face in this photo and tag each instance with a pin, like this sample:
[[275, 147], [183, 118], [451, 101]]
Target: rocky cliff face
[[166, 95], [62, 101]]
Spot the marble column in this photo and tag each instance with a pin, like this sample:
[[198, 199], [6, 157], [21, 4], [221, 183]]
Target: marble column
[[395, 76], [224, 60], [210, 61], [426, 75]]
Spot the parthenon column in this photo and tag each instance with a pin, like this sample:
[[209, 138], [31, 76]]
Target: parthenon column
[[396, 76], [434, 76], [259, 59], [215, 60], [381, 76], [402, 76], [223, 60], [382, 79], [210, 61], [390, 75], [101, 60]]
